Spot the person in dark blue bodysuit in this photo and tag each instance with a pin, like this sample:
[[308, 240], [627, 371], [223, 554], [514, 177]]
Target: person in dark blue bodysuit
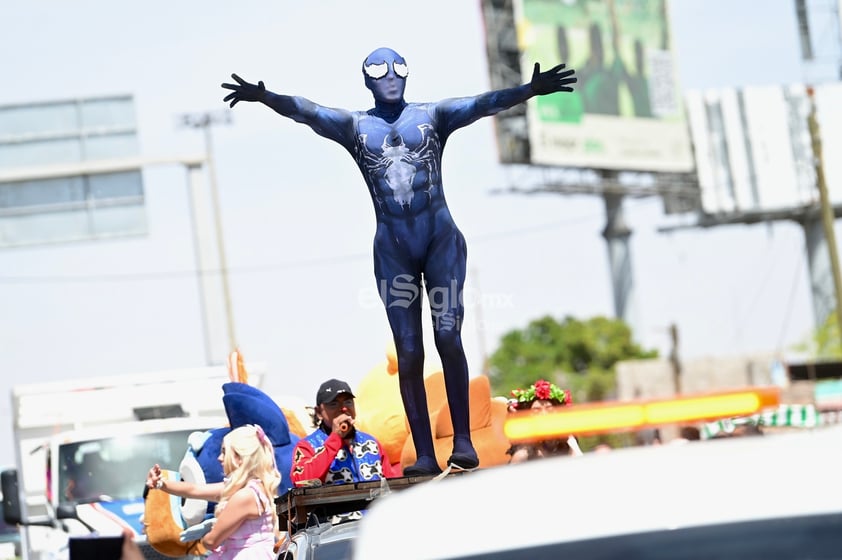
[[398, 148]]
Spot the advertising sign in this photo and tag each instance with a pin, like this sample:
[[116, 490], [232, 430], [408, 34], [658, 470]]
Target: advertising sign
[[48, 193], [754, 149], [626, 111]]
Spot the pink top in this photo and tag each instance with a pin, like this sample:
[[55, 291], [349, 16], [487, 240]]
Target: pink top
[[254, 539]]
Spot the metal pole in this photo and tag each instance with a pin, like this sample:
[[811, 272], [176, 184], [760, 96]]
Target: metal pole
[[220, 239], [196, 212], [617, 234], [826, 208], [480, 324], [675, 360], [204, 121]]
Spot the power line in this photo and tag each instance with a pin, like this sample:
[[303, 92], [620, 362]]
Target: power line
[[290, 265], [748, 311], [790, 300], [483, 238], [173, 274]]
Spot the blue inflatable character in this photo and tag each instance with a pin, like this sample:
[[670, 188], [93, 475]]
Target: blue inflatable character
[[244, 404]]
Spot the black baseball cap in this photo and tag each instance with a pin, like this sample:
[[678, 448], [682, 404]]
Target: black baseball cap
[[330, 389]]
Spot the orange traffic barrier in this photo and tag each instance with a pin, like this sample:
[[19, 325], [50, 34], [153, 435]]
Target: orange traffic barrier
[[604, 417]]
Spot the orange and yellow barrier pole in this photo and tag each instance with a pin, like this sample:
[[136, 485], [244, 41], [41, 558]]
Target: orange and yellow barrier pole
[[604, 417]]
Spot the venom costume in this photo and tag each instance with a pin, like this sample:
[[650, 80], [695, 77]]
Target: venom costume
[[398, 148]]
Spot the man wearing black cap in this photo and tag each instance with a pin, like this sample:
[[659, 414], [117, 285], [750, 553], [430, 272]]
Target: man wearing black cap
[[337, 452]]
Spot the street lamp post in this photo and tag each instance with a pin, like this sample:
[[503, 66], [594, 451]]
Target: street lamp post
[[205, 121], [826, 208]]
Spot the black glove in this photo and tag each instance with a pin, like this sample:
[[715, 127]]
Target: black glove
[[551, 81], [244, 91]]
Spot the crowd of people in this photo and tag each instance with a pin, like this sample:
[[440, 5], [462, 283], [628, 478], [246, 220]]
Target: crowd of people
[[245, 523]]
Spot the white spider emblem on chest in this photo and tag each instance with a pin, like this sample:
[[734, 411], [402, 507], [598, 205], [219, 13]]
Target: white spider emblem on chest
[[398, 163]]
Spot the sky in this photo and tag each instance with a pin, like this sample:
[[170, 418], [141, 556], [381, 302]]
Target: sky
[[298, 223]]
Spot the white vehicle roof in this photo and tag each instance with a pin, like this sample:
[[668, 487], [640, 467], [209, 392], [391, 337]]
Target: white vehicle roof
[[623, 492], [78, 403], [124, 429]]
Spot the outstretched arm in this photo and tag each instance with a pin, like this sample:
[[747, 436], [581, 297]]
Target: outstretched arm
[[335, 124], [210, 492], [459, 112]]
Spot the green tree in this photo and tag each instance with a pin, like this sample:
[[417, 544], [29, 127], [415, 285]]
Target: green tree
[[574, 354], [824, 343]]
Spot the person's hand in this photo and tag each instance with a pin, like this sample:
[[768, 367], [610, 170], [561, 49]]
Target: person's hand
[[130, 549], [343, 425], [575, 450], [154, 478], [198, 531], [244, 91], [553, 80]]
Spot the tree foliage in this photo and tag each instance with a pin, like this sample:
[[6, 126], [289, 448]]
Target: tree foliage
[[824, 343], [575, 354]]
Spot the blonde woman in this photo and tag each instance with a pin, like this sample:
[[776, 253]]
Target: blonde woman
[[245, 521]]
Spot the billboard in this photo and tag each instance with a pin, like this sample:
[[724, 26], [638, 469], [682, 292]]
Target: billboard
[[626, 112], [50, 190], [754, 150], [829, 114]]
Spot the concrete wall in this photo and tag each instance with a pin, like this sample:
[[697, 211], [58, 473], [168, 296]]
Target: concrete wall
[[655, 378]]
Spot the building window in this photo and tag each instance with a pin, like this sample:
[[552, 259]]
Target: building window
[[49, 191]]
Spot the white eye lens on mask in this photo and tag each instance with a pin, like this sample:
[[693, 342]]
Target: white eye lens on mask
[[400, 69], [376, 71]]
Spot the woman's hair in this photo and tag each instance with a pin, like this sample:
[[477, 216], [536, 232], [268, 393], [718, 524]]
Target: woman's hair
[[526, 405], [249, 446]]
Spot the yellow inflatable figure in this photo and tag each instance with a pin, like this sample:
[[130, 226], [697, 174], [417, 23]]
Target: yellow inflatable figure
[[380, 409], [487, 418], [380, 413]]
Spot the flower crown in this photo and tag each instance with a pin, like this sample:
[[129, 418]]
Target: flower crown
[[542, 390]]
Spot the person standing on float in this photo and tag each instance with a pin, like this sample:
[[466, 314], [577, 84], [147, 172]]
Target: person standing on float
[[398, 148]]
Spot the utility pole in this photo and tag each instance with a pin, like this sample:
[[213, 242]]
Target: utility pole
[[204, 121], [675, 360], [617, 235], [480, 324], [826, 207]]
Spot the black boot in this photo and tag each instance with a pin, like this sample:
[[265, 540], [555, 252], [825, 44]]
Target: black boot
[[423, 466], [464, 455]]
